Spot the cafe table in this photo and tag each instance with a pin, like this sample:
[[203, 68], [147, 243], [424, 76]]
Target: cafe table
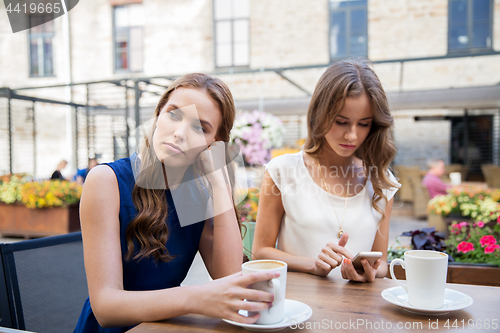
[[345, 306]]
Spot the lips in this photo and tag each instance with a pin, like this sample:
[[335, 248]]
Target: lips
[[347, 146], [174, 148]]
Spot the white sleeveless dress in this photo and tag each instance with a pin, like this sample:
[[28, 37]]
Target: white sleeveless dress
[[309, 222]]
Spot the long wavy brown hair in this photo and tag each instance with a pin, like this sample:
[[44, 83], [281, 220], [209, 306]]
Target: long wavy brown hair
[[352, 78], [149, 228]]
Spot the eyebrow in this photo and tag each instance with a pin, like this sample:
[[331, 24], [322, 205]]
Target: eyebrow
[[202, 121], [367, 118]]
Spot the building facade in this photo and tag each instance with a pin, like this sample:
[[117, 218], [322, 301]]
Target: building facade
[[439, 61]]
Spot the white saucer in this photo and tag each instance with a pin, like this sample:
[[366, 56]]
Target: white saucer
[[295, 312], [453, 300]]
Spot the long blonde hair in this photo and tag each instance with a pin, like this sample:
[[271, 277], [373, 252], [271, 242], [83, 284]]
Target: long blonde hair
[[352, 78], [149, 227]]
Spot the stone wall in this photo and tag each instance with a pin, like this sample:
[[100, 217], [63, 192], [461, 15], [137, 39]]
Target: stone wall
[[178, 38]]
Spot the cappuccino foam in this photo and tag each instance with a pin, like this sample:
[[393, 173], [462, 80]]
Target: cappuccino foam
[[264, 265]]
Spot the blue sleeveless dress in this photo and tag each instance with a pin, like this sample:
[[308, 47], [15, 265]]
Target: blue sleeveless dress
[[146, 274]]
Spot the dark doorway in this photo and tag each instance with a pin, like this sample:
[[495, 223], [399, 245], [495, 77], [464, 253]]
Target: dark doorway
[[475, 133]]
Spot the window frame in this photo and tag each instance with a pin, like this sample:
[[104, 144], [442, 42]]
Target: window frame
[[348, 32], [470, 21], [117, 70], [214, 32], [41, 36]]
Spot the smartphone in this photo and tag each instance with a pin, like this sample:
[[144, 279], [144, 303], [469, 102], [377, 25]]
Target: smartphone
[[370, 256]]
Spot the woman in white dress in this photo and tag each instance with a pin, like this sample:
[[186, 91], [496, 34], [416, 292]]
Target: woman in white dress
[[332, 200]]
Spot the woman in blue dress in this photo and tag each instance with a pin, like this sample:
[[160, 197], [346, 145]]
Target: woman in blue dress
[[139, 232]]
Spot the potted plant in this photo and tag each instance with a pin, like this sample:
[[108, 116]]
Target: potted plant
[[247, 211], [473, 250], [471, 203], [256, 133], [38, 208]]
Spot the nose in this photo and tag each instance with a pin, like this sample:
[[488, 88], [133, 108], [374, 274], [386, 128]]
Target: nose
[[351, 134], [180, 133]]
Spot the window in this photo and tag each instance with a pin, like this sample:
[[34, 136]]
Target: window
[[41, 38], [231, 32], [128, 22], [348, 28], [470, 23]]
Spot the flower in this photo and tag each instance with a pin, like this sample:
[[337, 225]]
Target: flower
[[487, 240], [247, 209], [465, 247], [256, 133], [480, 224], [491, 248]]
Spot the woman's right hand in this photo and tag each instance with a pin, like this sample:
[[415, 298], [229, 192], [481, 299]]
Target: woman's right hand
[[223, 298], [330, 256]]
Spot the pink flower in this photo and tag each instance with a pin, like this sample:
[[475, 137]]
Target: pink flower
[[498, 219], [462, 224], [487, 240], [465, 247], [491, 248], [480, 224]]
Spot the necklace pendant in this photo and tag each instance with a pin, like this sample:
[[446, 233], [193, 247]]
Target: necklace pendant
[[341, 232]]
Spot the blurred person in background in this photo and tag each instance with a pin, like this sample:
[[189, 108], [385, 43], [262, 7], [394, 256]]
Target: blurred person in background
[[81, 174], [57, 174], [432, 180]]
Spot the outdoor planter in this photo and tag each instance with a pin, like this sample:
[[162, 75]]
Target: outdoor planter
[[463, 273], [18, 220], [442, 223]]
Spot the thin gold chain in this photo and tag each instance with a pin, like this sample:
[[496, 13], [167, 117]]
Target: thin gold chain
[[326, 187]]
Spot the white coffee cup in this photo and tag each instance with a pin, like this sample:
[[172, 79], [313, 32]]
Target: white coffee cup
[[425, 277], [456, 178], [277, 286]]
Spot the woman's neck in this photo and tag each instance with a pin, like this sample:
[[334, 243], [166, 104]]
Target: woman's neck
[[329, 158], [174, 176]]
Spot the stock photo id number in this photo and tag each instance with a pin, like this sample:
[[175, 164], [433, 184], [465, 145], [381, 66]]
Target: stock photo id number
[[26, 14]]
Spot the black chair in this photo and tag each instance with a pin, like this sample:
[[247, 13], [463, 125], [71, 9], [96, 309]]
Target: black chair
[[42, 283]]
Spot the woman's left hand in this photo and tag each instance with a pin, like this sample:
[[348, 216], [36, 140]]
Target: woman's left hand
[[212, 162], [350, 273]]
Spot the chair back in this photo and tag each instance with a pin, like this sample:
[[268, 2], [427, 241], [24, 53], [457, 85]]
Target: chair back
[[43, 285], [404, 173], [491, 173]]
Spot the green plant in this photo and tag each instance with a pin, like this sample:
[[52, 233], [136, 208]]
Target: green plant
[[475, 242], [396, 250], [247, 209], [39, 194], [478, 203]]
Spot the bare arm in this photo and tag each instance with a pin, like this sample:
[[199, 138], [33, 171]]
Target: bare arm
[[114, 306], [381, 242], [220, 245]]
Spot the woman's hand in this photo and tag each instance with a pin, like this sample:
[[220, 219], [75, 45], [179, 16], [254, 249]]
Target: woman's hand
[[223, 298], [331, 256], [212, 161], [350, 273]]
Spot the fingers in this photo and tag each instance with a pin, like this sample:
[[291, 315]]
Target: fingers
[[340, 250], [243, 319], [343, 239], [330, 257], [257, 296], [377, 264], [253, 306], [322, 268], [349, 272], [249, 279]]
